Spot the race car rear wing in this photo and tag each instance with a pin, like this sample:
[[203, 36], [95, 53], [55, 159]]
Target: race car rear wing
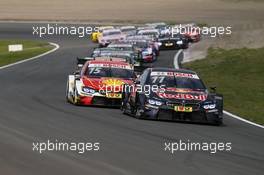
[[82, 61]]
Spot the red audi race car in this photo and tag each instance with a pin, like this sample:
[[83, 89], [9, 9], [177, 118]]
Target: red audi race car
[[99, 82]]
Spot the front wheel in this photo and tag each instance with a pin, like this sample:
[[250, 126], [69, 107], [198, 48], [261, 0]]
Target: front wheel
[[138, 113], [218, 122], [154, 57], [75, 98], [67, 92]]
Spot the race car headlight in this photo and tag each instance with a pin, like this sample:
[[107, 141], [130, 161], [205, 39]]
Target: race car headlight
[[209, 106], [88, 90], [147, 52], [179, 42], [154, 102]]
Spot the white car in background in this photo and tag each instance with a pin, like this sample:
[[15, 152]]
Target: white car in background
[[149, 32], [128, 30], [156, 24], [109, 36]]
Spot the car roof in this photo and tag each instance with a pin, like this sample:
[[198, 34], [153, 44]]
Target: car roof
[[111, 30], [163, 69], [127, 27], [104, 49], [115, 53], [148, 30], [140, 37], [136, 40], [104, 27], [156, 23], [108, 62], [106, 58], [119, 45]]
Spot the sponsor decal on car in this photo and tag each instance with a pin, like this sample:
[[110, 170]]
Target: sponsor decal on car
[[183, 109], [182, 96], [113, 82], [168, 44], [114, 95], [181, 90], [121, 66], [176, 74]]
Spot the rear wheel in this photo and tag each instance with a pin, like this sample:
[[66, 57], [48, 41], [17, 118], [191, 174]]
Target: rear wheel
[[69, 96], [138, 113], [155, 57], [67, 92], [124, 108], [75, 97], [219, 122]]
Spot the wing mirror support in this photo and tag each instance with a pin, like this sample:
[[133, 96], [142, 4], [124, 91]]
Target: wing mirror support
[[213, 89], [137, 82]]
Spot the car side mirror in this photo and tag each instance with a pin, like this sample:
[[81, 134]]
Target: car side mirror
[[77, 76], [80, 66], [77, 72], [135, 76], [213, 89], [137, 81]]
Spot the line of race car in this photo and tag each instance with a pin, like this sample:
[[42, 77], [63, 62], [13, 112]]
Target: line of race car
[[119, 73]]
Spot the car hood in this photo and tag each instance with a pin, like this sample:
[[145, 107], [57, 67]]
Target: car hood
[[169, 39], [105, 83], [112, 37], [138, 49], [176, 95]]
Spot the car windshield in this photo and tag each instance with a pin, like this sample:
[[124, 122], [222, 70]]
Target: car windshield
[[140, 44], [123, 48], [126, 58], [127, 29], [149, 33], [169, 35], [177, 82], [113, 55], [111, 33], [98, 72]]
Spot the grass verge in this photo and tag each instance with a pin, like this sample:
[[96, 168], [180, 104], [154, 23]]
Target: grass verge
[[31, 48], [238, 75]]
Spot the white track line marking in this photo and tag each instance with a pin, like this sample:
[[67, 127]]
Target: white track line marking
[[175, 62], [244, 120], [35, 57], [176, 66]]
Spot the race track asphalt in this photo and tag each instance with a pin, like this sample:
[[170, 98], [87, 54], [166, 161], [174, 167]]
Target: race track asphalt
[[33, 108]]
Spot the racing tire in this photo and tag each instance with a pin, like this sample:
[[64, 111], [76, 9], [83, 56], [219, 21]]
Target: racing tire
[[138, 112], [67, 93], [124, 108], [155, 57], [75, 100], [218, 122]]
